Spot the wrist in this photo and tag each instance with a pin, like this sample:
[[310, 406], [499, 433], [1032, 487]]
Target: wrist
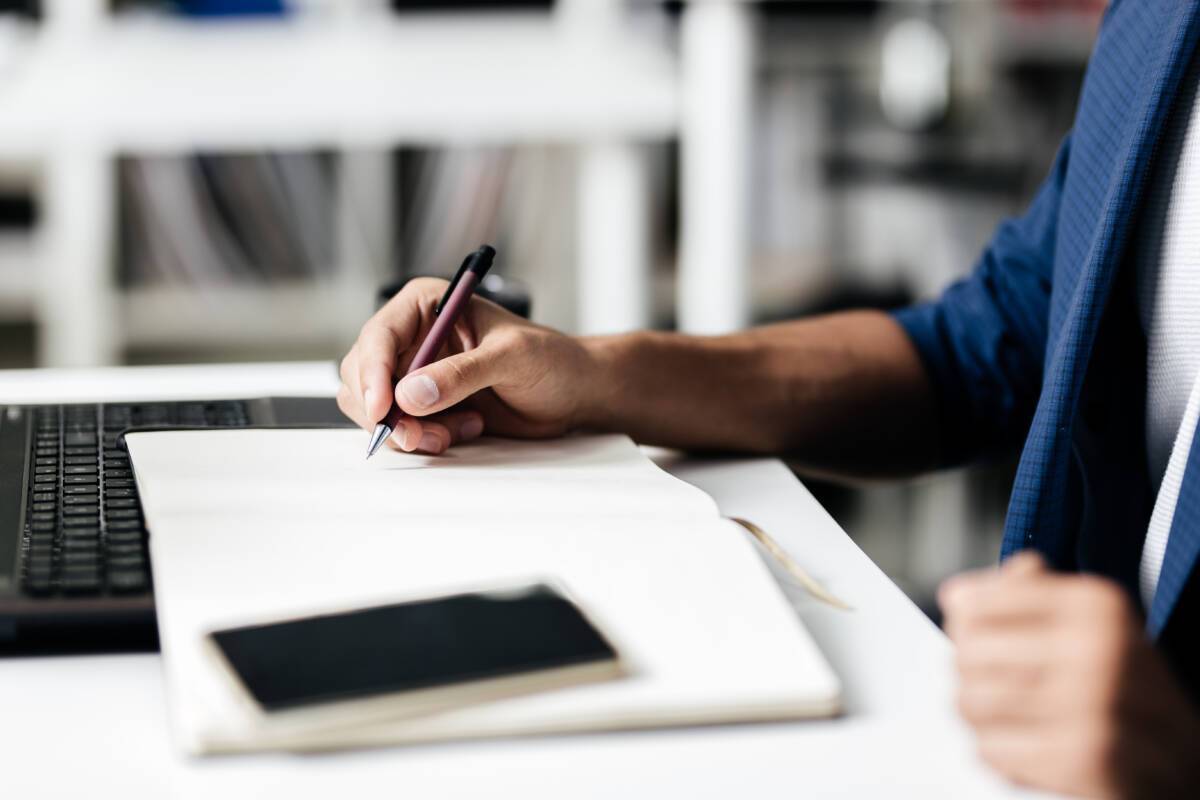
[[608, 369]]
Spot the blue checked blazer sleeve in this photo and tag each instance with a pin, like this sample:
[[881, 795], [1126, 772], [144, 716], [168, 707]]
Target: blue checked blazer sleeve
[[983, 341]]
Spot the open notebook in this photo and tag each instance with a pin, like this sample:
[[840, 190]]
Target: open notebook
[[253, 524]]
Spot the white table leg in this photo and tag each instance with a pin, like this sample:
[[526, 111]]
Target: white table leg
[[717, 44], [613, 238]]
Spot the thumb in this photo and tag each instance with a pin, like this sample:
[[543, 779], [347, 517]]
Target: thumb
[[448, 382]]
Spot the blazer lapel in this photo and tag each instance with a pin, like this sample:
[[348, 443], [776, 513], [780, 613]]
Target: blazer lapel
[[1036, 515]]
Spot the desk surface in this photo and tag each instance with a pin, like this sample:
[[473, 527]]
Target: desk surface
[[95, 723]]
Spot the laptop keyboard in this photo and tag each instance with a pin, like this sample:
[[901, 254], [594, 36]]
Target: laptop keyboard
[[84, 533]]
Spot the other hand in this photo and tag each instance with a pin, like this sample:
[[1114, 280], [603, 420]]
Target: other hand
[[1063, 689], [498, 373]]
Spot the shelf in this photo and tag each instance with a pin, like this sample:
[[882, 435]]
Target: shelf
[[288, 314], [18, 275], [283, 84]]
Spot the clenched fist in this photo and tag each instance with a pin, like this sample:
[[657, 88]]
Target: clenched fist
[[1062, 687]]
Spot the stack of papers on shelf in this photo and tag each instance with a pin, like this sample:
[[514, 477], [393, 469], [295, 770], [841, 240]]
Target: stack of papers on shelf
[[258, 524]]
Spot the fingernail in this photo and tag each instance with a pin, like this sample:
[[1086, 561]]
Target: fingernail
[[430, 443], [471, 429], [420, 390]]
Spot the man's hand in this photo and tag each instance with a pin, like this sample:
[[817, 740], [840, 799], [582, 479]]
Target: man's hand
[[845, 394], [1063, 689], [500, 373]]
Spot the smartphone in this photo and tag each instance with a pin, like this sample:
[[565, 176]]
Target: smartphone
[[420, 656]]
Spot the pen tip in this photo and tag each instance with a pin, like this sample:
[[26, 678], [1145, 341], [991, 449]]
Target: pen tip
[[378, 438]]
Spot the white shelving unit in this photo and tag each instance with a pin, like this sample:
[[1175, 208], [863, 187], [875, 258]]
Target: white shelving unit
[[18, 265], [357, 81]]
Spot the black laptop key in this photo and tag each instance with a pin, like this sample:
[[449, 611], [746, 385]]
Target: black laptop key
[[119, 483], [89, 499], [42, 516], [136, 561], [81, 489], [46, 506], [121, 525], [81, 510], [126, 581], [81, 580], [81, 537], [45, 470], [47, 461], [40, 556], [127, 536], [120, 502], [81, 557], [81, 469], [79, 451], [79, 461], [112, 492], [80, 480], [38, 582], [121, 513], [118, 549], [79, 439], [88, 521], [43, 550], [44, 497]]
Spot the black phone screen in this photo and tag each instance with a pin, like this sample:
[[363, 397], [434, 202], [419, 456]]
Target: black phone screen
[[415, 645]]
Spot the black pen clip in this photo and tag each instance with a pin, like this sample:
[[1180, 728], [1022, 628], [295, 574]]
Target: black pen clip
[[437, 311], [480, 261]]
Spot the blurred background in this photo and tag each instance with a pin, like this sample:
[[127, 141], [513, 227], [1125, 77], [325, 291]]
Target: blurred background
[[234, 180]]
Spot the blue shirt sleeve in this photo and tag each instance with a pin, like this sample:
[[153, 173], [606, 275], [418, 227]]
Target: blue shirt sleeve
[[983, 342]]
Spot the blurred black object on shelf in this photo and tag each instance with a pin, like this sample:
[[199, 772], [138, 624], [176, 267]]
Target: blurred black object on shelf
[[510, 294]]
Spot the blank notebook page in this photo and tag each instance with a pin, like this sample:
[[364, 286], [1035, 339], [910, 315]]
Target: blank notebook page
[[248, 525]]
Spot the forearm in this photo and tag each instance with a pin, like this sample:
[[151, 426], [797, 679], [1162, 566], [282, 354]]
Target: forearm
[[844, 393]]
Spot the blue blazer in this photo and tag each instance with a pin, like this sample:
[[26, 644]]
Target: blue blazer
[[1042, 340]]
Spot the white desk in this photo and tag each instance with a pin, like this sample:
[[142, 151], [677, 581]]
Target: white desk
[[98, 725]]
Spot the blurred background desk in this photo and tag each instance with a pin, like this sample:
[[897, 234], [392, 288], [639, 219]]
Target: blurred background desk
[[97, 725]]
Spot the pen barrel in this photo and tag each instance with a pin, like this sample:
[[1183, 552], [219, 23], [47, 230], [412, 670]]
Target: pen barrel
[[455, 304], [444, 324]]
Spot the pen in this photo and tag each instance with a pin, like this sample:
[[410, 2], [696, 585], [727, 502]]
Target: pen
[[452, 304]]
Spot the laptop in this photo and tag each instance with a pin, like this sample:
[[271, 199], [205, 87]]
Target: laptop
[[74, 570]]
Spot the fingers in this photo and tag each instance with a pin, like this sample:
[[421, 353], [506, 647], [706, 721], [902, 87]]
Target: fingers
[[1013, 751], [374, 359], [1002, 701], [434, 435], [378, 348], [1021, 591], [450, 381], [1026, 562]]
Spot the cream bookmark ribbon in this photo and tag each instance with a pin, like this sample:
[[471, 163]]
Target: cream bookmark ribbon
[[797, 572]]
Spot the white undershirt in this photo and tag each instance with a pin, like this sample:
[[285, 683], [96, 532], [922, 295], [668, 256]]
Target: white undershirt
[[1168, 285]]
